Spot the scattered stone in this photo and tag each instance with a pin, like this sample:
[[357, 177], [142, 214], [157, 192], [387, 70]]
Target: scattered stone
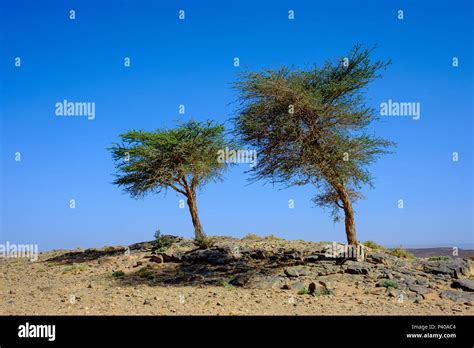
[[421, 290], [139, 263], [213, 256]]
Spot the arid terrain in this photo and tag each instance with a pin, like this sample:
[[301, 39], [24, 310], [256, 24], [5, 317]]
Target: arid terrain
[[249, 276]]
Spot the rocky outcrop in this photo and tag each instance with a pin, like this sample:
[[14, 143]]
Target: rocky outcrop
[[304, 269]]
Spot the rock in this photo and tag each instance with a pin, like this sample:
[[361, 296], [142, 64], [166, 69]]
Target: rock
[[454, 268], [156, 258], [147, 302], [457, 296], [213, 256], [240, 280], [258, 254], [297, 271], [139, 263], [379, 258], [298, 285], [328, 284], [421, 290], [358, 268], [464, 284], [264, 282]]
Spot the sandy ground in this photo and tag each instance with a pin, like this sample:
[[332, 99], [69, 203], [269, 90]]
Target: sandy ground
[[45, 288]]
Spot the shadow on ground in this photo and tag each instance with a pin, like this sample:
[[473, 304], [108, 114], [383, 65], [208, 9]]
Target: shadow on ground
[[85, 256]]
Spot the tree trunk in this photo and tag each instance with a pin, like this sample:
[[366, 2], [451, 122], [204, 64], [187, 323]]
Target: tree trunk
[[348, 215], [198, 232]]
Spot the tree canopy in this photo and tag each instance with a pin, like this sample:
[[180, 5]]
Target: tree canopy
[[182, 159], [310, 126]]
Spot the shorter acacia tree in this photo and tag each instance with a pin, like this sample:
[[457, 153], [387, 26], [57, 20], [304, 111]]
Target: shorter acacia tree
[[183, 159]]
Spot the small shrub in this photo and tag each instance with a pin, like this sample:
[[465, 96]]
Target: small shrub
[[224, 283], [372, 245], [74, 269], [390, 283], [206, 242], [146, 272], [402, 253], [118, 274], [162, 242], [272, 237], [303, 291]]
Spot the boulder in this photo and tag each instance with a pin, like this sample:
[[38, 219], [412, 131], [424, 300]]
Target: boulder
[[457, 296], [464, 284], [454, 268], [212, 256], [298, 271]]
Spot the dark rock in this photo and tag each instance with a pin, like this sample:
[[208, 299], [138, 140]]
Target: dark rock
[[379, 258], [457, 296], [465, 284], [454, 268], [297, 271], [213, 256], [156, 258], [358, 268], [265, 282], [421, 290]]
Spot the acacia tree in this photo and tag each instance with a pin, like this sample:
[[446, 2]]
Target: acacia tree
[[183, 159], [310, 127]]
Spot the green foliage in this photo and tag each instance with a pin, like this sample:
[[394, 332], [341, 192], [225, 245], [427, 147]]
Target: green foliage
[[303, 291], [224, 283], [181, 158], [74, 269], [372, 245], [309, 126], [390, 283], [162, 243], [272, 237], [251, 236], [402, 253], [146, 272], [118, 274]]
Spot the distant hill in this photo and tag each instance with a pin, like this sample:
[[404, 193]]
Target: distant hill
[[429, 252]]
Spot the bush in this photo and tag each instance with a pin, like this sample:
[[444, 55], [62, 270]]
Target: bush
[[146, 272], [251, 236], [118, 274], [390, 283], [303, 291], [402, 253], [162, 243], [372, 245]]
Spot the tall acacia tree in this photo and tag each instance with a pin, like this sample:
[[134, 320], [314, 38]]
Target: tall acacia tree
[[310, 127], [182, 159]]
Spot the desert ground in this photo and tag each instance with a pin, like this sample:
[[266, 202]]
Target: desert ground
[[249, 276]]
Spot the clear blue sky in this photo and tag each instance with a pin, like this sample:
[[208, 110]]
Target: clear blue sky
[[190, 62]]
